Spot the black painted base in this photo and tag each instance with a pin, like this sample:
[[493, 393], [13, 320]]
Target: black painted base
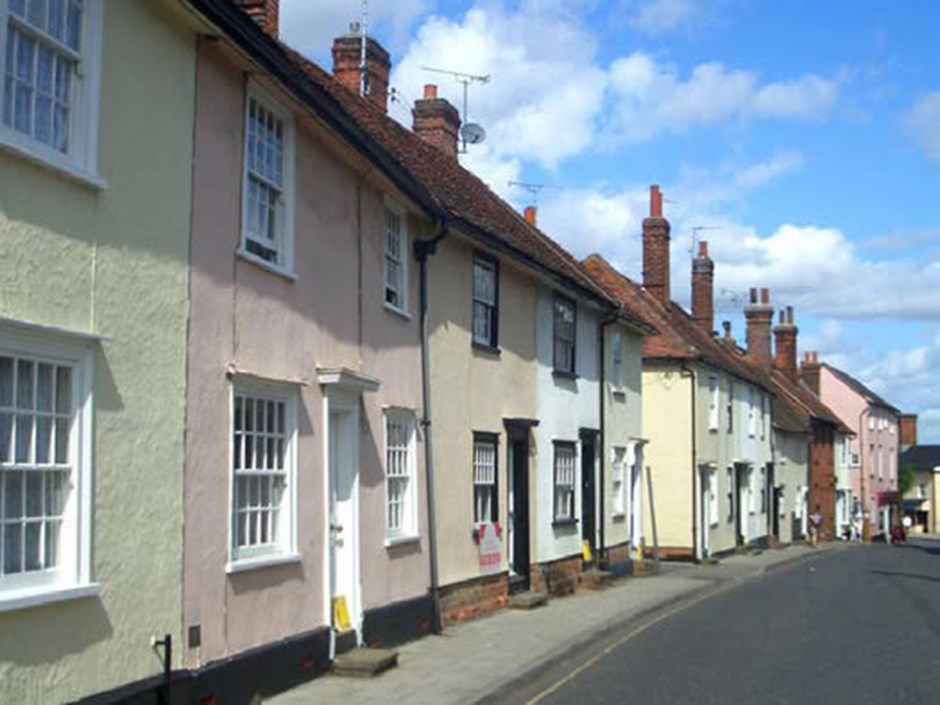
[[390, 625]]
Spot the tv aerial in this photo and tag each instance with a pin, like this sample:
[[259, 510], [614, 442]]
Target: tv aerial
[[534, 189], [695, 231], [470, 132]]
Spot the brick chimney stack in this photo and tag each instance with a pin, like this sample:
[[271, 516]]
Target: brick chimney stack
[[531, 215], [703, 276], [785, 342], [347, 57], [760, 317], [810, 371], [656, 249], [907, 430], [264, 12], [437, 122]]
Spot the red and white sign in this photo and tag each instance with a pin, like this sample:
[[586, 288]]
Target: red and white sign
[[491, 547]]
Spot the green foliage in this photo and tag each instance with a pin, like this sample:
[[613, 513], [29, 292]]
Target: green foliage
[[905, 480]]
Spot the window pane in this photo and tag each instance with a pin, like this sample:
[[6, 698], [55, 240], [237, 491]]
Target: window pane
[[6, 381], [24, 384], [33, 546], [56, 18], [43, 438], [6, 436], [44, 387], [12, 548], [12, 495], [52, 543], [62, 440], [74, 24], [63, 390], [24, 438]]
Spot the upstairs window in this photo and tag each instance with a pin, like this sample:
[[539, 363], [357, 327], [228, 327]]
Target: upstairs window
[[485, 506], [485, 301], [564, 479], [730, 406], [49, 98], [616, 359], [267, 201], [564, 327], [396, 259], [712, 403], [400, 487]]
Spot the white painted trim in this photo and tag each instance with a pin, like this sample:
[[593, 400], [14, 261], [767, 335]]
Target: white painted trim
[[397, 311], [40, 329], [346, 380], [410, 531], [405, 240], [246, 564], [24, 599], [80, 163], [401, 540], [242, 253]]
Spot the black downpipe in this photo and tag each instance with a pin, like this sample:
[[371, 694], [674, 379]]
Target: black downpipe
[[167, 644], [422, 250]]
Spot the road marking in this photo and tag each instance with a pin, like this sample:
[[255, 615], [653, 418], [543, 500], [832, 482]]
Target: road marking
[[626, 637]]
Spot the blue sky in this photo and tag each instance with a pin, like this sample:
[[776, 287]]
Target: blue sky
[[806, 134]]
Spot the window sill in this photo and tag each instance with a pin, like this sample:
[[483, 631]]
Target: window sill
[[564, 522], [242, 253], [48, 158], [401, 540], [246, 564], [487, 349], [564, 374], [397, 311], [37, 597]]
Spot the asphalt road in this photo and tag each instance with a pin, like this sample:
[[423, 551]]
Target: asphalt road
[[857, 626]]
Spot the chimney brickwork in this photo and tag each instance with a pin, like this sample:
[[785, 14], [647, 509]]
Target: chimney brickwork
[[437, 122], [907, 429], [703, 277], [264, 12], [785, 333], [810, 370], [347, 57], [656, 249], [759, 315]]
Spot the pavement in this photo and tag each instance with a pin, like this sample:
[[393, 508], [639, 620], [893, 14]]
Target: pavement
[[473, 662]]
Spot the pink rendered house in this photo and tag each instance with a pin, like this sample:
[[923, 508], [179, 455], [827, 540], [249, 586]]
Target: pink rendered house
[[874, 449]]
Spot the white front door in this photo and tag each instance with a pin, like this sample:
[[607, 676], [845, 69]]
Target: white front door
[[344, 519], [635, 458]]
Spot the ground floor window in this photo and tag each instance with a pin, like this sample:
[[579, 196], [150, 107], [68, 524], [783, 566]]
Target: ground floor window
[[485, 507], [564, 478], [618, 486]]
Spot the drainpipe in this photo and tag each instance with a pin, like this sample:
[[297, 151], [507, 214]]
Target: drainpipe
[[422, 250], [866, 525], [603, 464], [695, 476]]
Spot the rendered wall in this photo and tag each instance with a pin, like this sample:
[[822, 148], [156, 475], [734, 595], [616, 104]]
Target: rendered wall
[[113, 262], [623, 423], [261, 323], [667, 423], [474, 390], [790, 473]]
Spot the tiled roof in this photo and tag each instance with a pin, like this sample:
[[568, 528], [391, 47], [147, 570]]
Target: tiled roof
[[921, 457], [860, 388], [470, 204], [679, 336]]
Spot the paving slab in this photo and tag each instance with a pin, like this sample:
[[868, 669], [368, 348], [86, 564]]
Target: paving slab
[[471, 661]]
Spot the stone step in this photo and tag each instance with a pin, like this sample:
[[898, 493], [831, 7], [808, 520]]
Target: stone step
[[595, 579], [364, 663], [527, 600]]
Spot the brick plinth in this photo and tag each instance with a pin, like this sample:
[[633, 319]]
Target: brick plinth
[[556, 577], [470, 599]]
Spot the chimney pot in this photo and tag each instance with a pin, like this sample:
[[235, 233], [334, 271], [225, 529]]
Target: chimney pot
[[790, 315], [530, 215], [703, 249], [753, 295], [759, 316], [765, 296], [726, 325], [656, 250], [430, 91]]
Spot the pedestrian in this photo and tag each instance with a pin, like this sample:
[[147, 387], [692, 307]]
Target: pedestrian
[[815, 524]]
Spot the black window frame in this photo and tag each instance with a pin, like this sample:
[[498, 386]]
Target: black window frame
[[559, 299], [492, 308]]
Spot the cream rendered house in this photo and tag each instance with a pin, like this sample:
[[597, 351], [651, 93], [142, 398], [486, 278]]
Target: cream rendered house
[[706, 413], [95, 183]]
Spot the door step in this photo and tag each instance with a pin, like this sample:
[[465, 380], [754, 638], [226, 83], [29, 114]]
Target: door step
[[364, 663], [527, 600], [595, 579]]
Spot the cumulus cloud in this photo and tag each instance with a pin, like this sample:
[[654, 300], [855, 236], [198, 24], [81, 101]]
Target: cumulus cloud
[[922, 122], [654, 17]]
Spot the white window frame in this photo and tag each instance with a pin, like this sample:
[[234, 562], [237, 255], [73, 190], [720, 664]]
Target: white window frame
[[486, 478], [80, 161], [401, 258], [713, 403], [284, 246], [751, 413], [730, 492], [713, 511], [618, 484], [285, 548], [617, 356], [71, 576], [408, 528], [564, 481]]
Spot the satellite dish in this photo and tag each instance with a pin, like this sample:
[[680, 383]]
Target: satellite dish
[[471, 133]]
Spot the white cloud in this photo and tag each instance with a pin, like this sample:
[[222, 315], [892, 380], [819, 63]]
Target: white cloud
[[763, 172], [922, 121], [651, 97], [654, 17]]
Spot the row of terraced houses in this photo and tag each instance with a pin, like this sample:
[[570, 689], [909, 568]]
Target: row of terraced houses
[[279, 377]]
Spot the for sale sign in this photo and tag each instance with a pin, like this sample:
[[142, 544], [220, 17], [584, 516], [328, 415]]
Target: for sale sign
[[491, 547]]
